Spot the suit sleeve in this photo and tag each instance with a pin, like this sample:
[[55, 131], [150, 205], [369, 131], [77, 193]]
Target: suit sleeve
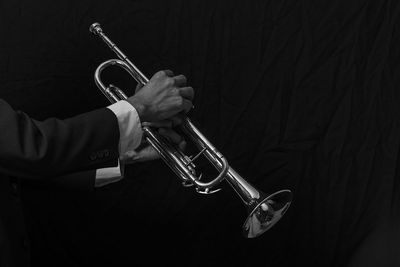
[[130, 137], [32, 149]]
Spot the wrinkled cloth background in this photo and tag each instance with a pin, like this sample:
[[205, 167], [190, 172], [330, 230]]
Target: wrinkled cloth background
[[301, 95]]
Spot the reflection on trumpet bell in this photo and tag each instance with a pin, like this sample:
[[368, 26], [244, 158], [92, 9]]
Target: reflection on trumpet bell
[[263, 215], [263, 211]]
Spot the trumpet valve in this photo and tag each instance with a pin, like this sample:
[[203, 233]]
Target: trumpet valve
[[191, 166], [187, 183], [207, 191]]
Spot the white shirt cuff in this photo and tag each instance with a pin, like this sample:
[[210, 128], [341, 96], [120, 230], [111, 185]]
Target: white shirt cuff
[[109, 175], [130, 137], [130, 127]]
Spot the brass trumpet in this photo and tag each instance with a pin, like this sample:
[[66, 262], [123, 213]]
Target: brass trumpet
[[263, 211]]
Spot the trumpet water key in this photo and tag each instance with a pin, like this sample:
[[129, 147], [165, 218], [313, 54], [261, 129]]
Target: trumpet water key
[[263, 210]]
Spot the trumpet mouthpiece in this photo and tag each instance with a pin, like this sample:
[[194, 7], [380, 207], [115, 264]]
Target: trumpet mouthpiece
[[95, 28]]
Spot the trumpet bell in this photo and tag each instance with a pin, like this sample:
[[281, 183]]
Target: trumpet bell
[[264, 214]]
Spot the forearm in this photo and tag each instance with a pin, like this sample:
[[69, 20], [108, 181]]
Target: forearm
[[31, 148], [130, 137]]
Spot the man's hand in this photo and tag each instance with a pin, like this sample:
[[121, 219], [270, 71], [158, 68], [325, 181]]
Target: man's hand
[[146, 152], [162, 97]]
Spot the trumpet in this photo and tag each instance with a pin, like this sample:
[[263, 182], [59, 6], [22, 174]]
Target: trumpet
[[263, 210]]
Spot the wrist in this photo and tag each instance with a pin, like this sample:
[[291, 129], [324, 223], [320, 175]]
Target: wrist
[[140, 108]]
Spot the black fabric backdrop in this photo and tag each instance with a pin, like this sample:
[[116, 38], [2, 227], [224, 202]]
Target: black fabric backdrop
[[296, 94]]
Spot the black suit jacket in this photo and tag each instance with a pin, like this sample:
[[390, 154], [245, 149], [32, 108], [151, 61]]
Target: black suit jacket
[[31, 149]]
